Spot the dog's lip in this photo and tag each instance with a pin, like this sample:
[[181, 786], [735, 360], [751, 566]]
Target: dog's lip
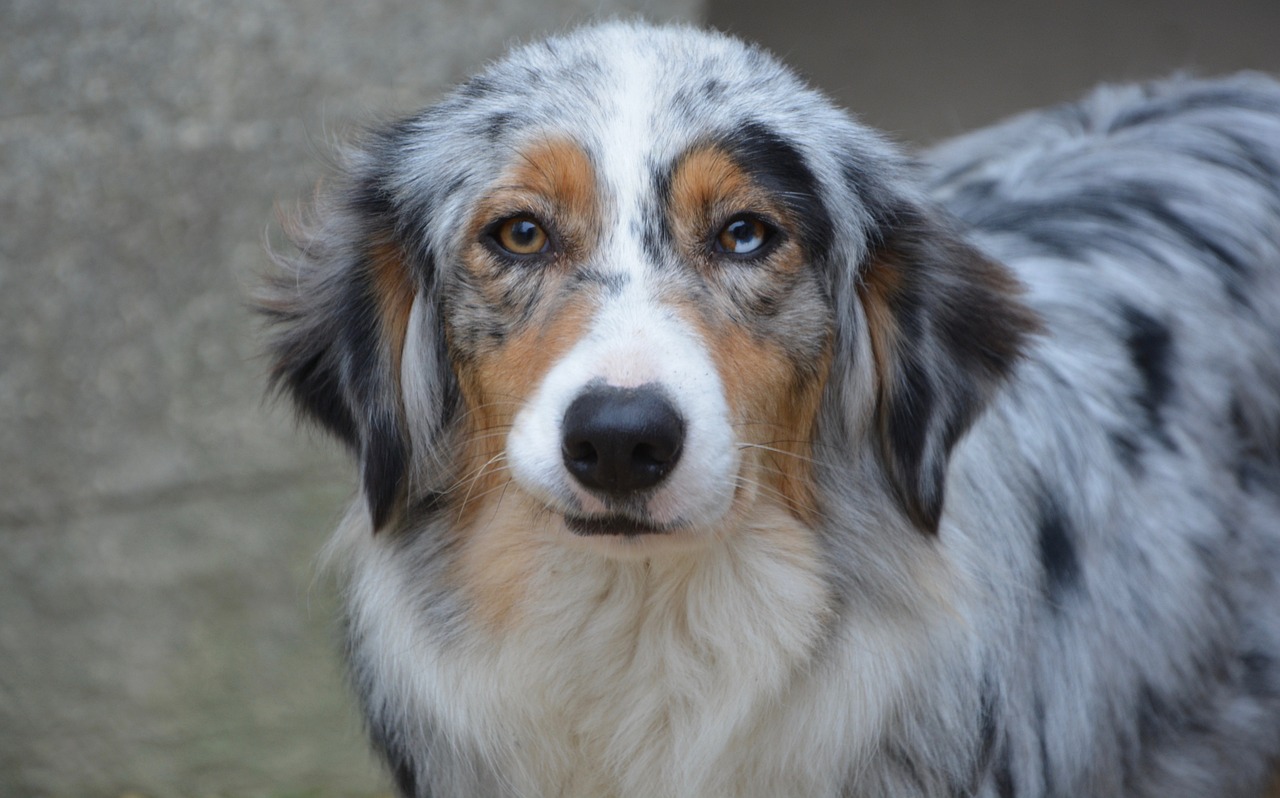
[[603, 525]]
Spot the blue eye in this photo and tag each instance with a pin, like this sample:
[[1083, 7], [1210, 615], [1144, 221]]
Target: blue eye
[[743, 235]]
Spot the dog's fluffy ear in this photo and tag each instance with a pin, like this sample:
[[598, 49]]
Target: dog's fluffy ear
[[947, 326], [340, 308]]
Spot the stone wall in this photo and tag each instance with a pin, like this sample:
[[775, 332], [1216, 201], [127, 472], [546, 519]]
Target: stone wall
[[163, 630]]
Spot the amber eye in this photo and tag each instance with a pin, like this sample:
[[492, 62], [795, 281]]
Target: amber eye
[[521, 235], [743, 235]]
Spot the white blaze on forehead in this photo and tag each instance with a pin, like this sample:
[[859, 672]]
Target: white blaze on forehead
[[634, 341], [628, 143]]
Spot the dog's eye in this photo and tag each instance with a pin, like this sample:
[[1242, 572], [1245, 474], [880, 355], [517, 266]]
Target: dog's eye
[[743, 235], [521, 235]]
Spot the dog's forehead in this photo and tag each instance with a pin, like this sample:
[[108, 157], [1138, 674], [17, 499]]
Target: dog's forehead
[[627, 91], [635, 100]]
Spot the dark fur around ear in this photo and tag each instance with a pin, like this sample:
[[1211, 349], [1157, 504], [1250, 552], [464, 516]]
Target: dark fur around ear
[[339, 308], [947, 326]]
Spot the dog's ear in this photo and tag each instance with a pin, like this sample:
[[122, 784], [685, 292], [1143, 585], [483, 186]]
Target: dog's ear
[[947, 326], [340, 308]]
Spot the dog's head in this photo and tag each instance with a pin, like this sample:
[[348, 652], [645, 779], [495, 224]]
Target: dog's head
[[642, 281]]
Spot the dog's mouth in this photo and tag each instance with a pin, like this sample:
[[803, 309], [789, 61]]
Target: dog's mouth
[[614, 525]]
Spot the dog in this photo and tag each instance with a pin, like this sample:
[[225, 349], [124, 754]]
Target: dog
[[710, 446]]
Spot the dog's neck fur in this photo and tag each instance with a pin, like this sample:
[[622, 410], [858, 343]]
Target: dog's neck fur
[[636, 677], [653, 669]]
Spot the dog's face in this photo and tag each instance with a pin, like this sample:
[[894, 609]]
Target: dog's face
[[630, 299], [640, 339]]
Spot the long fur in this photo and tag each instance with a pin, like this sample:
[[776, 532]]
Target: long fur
[[980, 491]]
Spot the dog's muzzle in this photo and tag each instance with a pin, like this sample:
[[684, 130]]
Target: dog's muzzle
[[618, 441]]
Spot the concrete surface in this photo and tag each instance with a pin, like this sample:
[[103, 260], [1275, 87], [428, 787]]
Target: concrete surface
[[162, 629]]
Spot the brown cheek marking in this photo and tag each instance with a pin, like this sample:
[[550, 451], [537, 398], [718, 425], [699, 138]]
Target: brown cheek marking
[[498, 382], [394, 290], [554, 179], [501, 526], [502, 529], [775, 404], [497, 560]]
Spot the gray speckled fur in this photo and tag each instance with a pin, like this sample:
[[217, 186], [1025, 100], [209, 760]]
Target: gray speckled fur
[[1117, 505]]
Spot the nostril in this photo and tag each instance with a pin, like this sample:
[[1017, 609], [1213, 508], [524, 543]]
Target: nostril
[[581, 452], [654, 453], [621, 439]]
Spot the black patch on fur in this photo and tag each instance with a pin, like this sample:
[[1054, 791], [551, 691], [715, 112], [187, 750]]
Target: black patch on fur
[[384, 455], [1002, 773], [368, 379], [428, 504], [987, 761], [331, 353], [656, 236], [686, 102], [910, 415], [960, 329], [1161, 716], [328, 364], [1150, 346], [313, 383], [1111, 219], [373, 199], [1257, 464], [404, 770], [1058, 556], [405, 775], [1156, 716], [1042, 731], [1245, 158], [1259, 674], [380, 719], [1127, 450], [477, 87], [496, 124], [910, 772], [780, 169], [1245, 469], [1207, 99]]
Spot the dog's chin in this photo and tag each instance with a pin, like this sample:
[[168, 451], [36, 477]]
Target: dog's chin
[[627, 537], [615, 526]]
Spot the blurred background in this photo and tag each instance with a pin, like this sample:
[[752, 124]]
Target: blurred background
[[163, 628]]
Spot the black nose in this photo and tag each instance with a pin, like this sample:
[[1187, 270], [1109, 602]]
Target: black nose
[[621, 439]]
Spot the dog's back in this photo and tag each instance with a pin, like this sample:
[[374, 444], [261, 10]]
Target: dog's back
[[1143, 434]]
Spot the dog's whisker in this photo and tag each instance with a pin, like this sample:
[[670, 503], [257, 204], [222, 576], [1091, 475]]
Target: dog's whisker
[[462, 506], [473, 474], [771, 492], [479, 495], [778, 451]]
